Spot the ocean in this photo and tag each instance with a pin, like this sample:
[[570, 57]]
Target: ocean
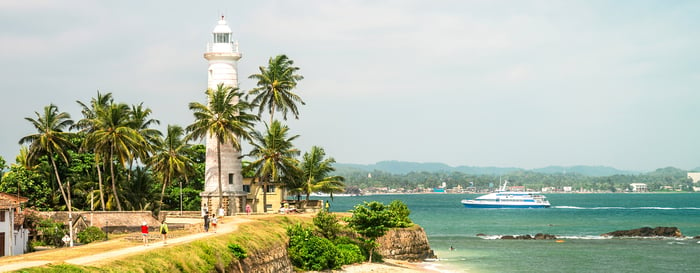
[[577, 219]]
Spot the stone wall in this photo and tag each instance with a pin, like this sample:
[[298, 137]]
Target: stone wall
[[408, 244], [272, 259]]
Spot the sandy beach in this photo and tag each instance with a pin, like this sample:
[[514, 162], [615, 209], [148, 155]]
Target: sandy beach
[[389, 266]]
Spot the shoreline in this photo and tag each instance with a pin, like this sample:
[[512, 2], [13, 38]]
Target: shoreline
[[393, 266]]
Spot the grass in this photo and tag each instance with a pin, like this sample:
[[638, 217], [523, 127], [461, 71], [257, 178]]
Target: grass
[[204, 255]]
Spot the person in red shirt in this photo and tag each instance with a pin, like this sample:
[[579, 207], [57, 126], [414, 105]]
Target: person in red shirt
[[144, 232]]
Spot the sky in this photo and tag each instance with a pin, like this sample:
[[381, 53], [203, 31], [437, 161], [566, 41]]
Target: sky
[[517, 83]]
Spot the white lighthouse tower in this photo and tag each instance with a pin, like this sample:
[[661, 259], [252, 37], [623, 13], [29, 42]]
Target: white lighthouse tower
[[222, 55]]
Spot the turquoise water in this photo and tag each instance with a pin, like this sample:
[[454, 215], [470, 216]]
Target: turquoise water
[[578, 219]]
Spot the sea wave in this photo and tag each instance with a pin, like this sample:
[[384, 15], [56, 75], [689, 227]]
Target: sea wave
[[625, 208]]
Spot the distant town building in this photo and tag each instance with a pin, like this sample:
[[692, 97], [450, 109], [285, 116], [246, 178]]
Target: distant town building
[[567, 189], [517, 188], [639, 187], [549, 189]]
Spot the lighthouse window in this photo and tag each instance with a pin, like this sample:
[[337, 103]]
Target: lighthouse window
[[221, 37]]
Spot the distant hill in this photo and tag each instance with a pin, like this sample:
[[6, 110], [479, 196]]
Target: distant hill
[[402, 167], [584, 170]]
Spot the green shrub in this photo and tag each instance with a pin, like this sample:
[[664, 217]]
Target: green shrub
[[349, 254], [52, 232], [310, 252], [399, 214], [327, 225], [237, 250], [90, 235]]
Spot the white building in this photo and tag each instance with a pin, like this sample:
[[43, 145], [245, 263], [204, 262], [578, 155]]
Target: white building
[[222, 55], [639, 187], [13, 236]]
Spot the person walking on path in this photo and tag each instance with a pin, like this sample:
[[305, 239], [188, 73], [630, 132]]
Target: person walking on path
[[144, 232], [164, 232], [328, 206], [206, 222], [247, 209], [213, 222]]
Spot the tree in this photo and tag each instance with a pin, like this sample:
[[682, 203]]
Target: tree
[[274, 87], [88, 125], [371, 220], [51, 141], [114, 138], [142, 124], [315, 169], [2, 167], [23, 180], [274, 155], [224, 119], [170, 159]]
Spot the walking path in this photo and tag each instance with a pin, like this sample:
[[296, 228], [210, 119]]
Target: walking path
[[13, 263]]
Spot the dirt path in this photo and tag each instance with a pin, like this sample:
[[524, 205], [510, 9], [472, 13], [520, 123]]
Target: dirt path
[[106, 251]]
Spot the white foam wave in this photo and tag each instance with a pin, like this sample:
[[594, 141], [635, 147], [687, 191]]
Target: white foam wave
[[592, 237], [625, 208]]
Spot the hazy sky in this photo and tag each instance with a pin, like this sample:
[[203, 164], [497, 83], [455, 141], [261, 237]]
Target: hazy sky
[[479, 83]]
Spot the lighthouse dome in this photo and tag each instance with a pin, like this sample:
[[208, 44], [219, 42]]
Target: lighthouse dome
[[222, 27]]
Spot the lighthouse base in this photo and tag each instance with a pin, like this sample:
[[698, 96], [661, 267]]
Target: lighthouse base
[[231, 202]]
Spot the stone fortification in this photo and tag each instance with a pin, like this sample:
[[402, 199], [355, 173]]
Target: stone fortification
[[408, 244], [272, 259]]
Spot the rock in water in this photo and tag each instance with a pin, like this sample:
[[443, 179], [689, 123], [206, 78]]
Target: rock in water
[[647, 232]]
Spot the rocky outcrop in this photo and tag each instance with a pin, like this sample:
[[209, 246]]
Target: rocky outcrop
[[408, 244], [647, 232]]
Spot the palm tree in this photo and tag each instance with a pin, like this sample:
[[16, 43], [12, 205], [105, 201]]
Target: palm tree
[[114, 138], [315, 169], [170, 159], [142, 124], [87, 125], [223, 119], [52, 141], [274, 156], [275, 85]]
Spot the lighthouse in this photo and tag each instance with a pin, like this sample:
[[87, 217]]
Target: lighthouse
[[222, 55]]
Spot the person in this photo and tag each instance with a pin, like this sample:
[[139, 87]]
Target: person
[[206, 222], [452, 248], [144, 232], [221, 214], [247, 209], [164, 232], [286, 208], [328, 206], [213, 222]]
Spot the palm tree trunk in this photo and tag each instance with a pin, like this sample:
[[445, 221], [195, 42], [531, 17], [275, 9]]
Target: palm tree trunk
[[60, 184], [265, 196], [99, 182], [66, 198], [114, 183], [218, 164], [255, 194], [162, 192]]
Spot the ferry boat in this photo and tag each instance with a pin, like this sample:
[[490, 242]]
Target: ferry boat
[[508, 199]]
